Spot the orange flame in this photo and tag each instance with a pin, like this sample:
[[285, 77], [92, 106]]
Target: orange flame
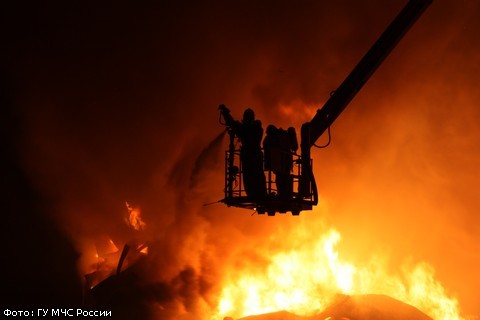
[[142, 248], [304, 280], [134, 219]]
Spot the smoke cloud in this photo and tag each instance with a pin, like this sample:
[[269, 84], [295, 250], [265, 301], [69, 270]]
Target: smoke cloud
[[107, 103]]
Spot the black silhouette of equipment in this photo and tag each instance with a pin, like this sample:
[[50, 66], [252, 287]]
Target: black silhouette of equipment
[[302, 191]]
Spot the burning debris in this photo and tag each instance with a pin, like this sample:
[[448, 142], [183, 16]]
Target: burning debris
[[109, 260], [307, 278], [134, 218], [357, 307]]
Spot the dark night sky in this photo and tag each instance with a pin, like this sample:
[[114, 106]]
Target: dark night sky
[[109, 102]]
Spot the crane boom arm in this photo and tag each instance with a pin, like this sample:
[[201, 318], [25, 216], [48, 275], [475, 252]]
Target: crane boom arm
[[341, 97]]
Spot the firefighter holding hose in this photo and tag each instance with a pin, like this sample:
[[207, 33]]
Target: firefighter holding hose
[[250, 133]]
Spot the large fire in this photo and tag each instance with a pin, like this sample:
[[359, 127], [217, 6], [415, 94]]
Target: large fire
[[99, 111], [307, 275]]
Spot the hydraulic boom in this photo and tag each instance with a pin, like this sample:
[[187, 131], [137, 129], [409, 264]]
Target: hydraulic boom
[[341, 97], [272, 181]]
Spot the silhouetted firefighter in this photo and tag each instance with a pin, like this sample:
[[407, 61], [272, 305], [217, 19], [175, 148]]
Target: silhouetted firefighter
[[280, 146], [250, 133]]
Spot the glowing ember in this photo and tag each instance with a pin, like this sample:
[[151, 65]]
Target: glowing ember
[[306, 278], [142, 248], [134, 219]]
